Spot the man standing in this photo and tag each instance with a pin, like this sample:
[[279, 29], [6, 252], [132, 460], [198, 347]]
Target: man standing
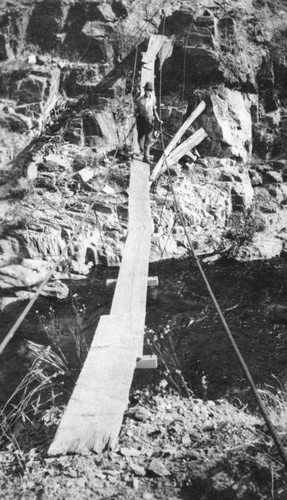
[[146, 112]]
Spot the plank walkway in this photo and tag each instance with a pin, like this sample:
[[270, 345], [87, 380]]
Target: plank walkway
[[155, 44], [94, 414]]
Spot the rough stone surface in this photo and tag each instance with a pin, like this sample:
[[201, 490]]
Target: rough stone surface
[[53, 161], [61, 118], [228, 124], [29, 273]]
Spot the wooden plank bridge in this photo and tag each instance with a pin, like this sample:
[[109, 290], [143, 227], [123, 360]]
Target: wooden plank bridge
[[94, 414]]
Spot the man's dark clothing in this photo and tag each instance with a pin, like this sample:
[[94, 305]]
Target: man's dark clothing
[[145, 127], [145, 123]]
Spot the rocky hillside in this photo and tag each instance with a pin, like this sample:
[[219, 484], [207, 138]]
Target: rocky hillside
[[69, 76]]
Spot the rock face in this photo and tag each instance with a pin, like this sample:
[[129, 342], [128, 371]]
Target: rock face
[[229, 125], [69, 76]]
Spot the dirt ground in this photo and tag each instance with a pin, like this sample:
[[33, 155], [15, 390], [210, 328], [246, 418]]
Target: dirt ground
[[188, 432], [170, 448]]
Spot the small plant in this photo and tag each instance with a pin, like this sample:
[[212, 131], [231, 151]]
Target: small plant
[[162, 344], [276, 403], [78, 335], [16, 220], [52, 416], [30, 395], [53, 329], [242, 229], [31, 400]]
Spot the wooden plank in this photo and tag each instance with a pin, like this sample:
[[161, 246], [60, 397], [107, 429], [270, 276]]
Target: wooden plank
[[94, 414], [184, 148], [131, 290], [136, 148], [154, 45], [107, 124], [157, 169], [148, 58], [147, 74], [147, 362], [151, 281]]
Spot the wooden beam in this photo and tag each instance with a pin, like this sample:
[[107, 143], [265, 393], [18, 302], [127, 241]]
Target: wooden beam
[[184, 148], [154, 45], [147, 362], [198, 110], [151, 281], [148, 58]]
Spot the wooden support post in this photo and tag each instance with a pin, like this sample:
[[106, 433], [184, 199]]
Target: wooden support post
[[198, 110], [155, 238], [191, 156], [147, 362], [151, 281]]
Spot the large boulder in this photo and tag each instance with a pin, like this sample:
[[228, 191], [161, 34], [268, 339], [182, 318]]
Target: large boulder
[[31, 89], [97, 39], [25, 275], [13, 25], [47, 22], [228, 124], [264, 246], [15, 122], [5, 50]]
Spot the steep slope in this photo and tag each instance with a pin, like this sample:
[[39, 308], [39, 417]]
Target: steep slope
[[69, 76]]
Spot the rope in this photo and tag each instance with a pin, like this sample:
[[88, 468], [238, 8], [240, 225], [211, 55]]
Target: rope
[[184, 61], [143, 29], [134, 73], [160, 73], [275, 436]]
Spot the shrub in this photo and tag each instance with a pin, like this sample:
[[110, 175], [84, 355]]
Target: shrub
[[241, 230]]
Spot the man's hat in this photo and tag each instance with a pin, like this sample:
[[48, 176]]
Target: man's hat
[[148, 86]]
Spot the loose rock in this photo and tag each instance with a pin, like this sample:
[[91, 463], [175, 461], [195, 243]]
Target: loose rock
[[139, 413], [158, 468]]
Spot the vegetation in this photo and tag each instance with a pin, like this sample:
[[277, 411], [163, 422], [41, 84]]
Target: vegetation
[[172, 444], [241, 230]]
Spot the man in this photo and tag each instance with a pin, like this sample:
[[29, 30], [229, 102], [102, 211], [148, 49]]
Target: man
[[146, 112]]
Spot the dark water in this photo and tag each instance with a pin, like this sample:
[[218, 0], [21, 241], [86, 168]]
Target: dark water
[[253, 298]]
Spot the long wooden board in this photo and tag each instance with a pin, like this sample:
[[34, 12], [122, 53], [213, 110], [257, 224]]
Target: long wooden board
[[148, 59], [94, 414], [184, 148], [157, 169]]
